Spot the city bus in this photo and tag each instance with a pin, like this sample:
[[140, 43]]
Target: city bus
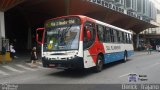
[[78, 41]]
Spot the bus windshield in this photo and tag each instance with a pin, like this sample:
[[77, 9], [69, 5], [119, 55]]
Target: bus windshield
[[62, 38]]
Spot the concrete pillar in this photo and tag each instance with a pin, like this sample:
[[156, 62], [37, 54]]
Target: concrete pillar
[[137, 41], [2, 25], [2, 28]]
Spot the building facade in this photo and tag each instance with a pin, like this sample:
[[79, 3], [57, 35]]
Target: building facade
[[151, 35], [23, 16], [145, 9]]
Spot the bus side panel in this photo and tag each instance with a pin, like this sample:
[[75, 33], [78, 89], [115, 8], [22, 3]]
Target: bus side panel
[[129, 48], [111, 57], [88, 60], [115, 52], [90, 55]]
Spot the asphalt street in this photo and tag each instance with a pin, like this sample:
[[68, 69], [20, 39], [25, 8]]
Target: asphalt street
[[146, 67]]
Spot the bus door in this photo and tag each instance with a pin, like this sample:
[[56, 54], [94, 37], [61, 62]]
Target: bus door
[[40, 35], [88, 41]]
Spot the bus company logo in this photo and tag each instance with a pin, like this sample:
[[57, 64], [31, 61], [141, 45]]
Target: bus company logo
[[132, 77]]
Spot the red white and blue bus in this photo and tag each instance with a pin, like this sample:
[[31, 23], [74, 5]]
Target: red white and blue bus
[[78, 41]]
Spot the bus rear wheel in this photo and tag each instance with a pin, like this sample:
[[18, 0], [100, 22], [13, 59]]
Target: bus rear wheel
[[125, 56], [99, 64]]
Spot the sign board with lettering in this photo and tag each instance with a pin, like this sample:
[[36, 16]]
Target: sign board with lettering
[[62, 22]]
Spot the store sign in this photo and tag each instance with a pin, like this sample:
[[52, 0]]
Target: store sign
[[107, 5], [118, 9]]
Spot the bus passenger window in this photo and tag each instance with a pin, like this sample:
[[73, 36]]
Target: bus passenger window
[[107, 35], [125, 37], [130, 38], [112, 35], [115, 35], [100, 30], [118, 36]]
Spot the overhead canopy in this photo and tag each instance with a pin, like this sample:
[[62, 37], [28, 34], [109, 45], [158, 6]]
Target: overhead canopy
[[40, 10], [8, 4]]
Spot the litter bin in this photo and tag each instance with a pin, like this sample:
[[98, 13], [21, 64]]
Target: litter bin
[[3, 55]]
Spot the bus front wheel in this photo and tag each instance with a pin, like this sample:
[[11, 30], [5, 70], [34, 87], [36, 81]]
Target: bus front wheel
[[99, 64]]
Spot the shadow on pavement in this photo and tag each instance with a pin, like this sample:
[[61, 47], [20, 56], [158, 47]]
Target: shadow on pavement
[[80, 73]]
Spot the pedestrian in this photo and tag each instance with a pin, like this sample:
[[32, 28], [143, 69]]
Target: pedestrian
[[3, 54], [149, 48], [145, 47], [12, 51], [34, 57]]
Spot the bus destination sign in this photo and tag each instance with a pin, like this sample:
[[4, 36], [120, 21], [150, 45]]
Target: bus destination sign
[[63, 21]]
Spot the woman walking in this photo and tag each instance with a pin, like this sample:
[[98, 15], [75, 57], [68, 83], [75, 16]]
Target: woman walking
[[34, 57]]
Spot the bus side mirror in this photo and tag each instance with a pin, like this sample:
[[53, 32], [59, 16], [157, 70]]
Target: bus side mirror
[[88, 35], [40, 35]]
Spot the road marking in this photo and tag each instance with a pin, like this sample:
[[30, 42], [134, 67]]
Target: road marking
[[154, 64], [36, 66], [24, 67], [3, 73], [125, 74], [12, 69]]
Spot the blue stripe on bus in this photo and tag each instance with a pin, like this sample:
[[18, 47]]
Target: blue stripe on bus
[[111, 57]]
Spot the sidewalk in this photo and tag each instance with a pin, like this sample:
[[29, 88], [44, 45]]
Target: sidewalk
[[141, 53], [22, 58]]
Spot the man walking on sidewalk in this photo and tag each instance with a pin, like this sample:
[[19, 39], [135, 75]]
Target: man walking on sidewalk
[[149, 48]]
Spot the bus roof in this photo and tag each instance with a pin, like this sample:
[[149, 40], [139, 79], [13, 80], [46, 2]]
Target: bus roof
[[111, 26], [105, 24], [97, 21]]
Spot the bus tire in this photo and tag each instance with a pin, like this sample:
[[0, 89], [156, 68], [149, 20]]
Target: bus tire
[[68, 69], [99, 64], [125, 56]]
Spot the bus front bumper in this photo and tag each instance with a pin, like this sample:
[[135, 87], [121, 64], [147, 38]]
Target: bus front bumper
[[76, 62]]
